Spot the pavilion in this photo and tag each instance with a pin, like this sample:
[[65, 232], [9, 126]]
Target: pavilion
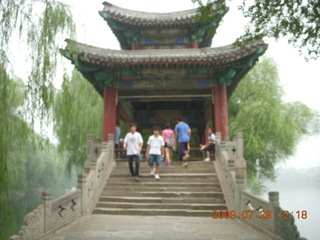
[[165, 68]]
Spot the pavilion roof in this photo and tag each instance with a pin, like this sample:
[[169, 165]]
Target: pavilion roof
[[151, 19], [226, 65], [220, 56], [122, 20]]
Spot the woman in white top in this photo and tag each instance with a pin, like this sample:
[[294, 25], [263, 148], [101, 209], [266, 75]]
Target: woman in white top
[[210, 145]]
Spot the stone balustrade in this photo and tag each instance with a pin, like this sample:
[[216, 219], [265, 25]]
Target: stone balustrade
[[53, 214], [257, 212]]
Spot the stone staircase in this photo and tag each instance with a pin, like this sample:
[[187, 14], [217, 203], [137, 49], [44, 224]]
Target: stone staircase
[[191, 191]]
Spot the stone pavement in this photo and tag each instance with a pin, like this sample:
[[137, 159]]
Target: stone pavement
[[116, 227]]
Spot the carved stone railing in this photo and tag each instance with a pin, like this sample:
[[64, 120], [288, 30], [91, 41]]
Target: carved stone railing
[[53, 214], [259, 213]]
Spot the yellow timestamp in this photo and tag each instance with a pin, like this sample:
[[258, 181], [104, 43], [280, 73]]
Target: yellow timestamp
[[249, 214]]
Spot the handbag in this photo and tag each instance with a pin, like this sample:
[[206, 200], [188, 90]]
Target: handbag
[[170, 142]]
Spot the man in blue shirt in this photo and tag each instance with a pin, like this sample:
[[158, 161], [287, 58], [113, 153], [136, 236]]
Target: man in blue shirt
[[182, 134]]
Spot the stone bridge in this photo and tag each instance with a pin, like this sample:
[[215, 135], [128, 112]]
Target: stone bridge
[[207, 200]]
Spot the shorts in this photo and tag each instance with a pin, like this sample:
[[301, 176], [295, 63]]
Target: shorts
[[210, 148], [183, 146], [154, 158], [166, 146]]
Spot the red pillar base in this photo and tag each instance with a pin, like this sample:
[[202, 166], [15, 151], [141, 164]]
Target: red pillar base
[[192, 45], [109, 113], [136, 47]]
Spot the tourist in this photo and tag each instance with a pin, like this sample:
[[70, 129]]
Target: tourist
[[133, 144], [183, 133], [169, 143], [117, 138], [122, 152], [155, 151], [210, 145]]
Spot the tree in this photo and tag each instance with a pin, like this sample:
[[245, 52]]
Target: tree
[[28, 168], [298, 20], [78, 111], [38, 23], [271, 127]]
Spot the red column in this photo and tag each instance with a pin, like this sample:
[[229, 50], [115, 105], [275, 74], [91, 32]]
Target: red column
[[118, 113], [216, 109], [194, 45], [224, 113], [136, 46], [109, 112]]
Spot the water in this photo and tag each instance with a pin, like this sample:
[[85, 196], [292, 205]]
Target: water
[[300, 190], [32, 199]]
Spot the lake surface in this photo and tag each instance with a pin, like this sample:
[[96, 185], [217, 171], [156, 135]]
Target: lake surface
[[300, 190]]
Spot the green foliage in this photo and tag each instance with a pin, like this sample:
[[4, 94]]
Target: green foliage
[[205, 13], [271, 127], [42, 40], [5, 214], [39, 24], [298, 20], [27, 169], [78, 111]]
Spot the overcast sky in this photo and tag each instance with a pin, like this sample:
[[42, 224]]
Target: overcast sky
[[299, 78]]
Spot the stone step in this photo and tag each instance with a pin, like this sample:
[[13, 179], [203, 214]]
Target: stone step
[[171, 175], [154, 212], [190, 191], [191, 165], [139, 188], [130, 180], [166, 170], [163, 194], [157, 184], [179, 200], [126, 205]]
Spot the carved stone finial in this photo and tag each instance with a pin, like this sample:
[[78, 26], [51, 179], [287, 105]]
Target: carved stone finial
[[111, 137], [89, 136], [218, 137], [46, 196], [274, 197], [82, 178], [240, 179], [104, 146]]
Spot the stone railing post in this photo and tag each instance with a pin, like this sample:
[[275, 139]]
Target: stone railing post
[[47, 210], [239, 144], [104, 147], [111, 141], [83, 186], [274, 207], [241, 169], [89, 144], [218, 137], [240, 185], [111, 137], [93, 164], [87, 163], [96, 149]]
